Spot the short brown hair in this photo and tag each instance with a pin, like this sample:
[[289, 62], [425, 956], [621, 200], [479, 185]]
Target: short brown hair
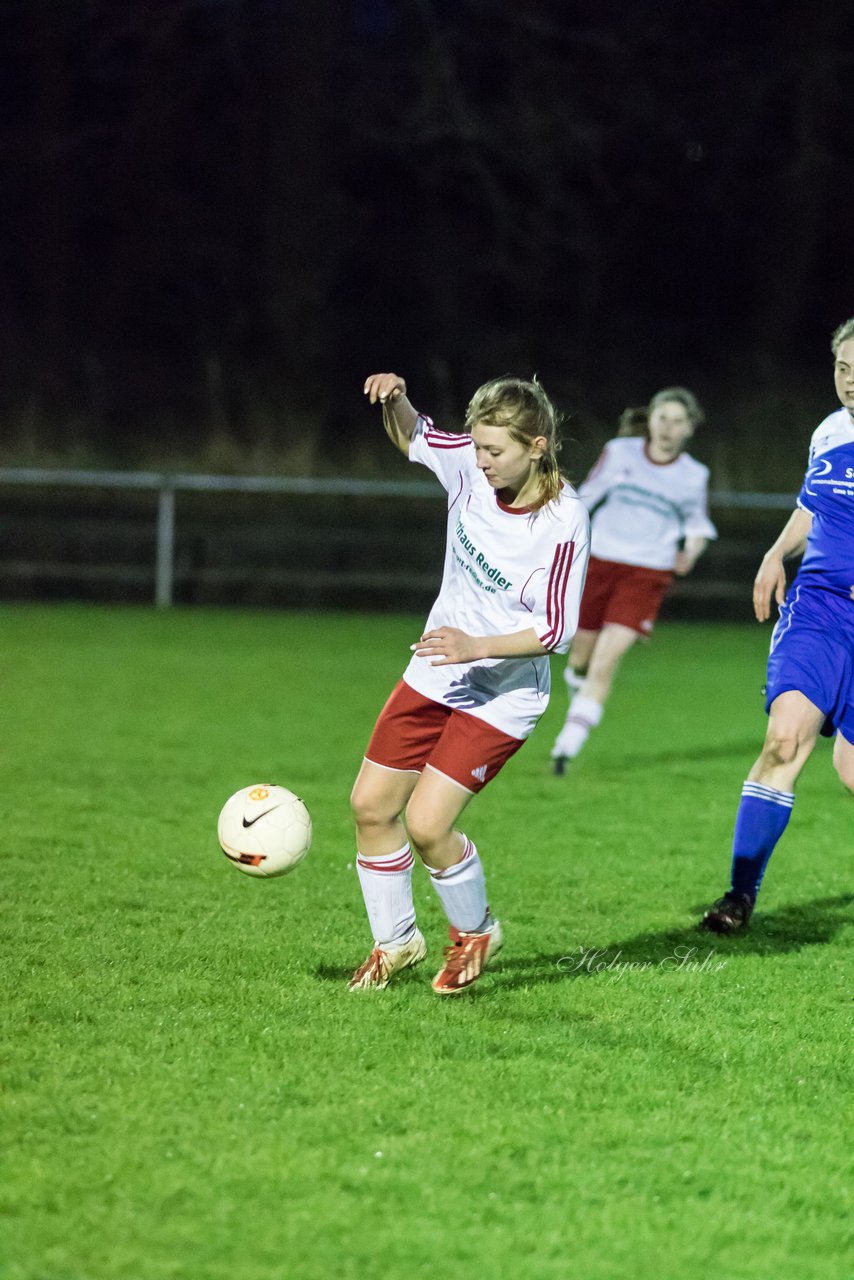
[[635, 422], [682, 396]]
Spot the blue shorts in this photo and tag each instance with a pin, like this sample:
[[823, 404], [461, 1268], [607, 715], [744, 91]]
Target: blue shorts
[[812, 651]]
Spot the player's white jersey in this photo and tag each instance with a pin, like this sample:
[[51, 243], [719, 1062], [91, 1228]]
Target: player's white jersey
[[644, 508], [506, 570]]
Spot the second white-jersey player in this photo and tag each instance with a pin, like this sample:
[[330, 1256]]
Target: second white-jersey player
[[645, 508], [648, 500]]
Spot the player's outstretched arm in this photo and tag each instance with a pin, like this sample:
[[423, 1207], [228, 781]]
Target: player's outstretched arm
[[399, 417], [689, 555], [771, 578]]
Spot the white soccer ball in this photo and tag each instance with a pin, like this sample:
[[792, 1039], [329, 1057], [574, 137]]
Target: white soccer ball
[[264, 830]]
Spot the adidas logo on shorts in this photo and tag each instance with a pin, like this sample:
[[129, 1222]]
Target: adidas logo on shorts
[[479, 773]]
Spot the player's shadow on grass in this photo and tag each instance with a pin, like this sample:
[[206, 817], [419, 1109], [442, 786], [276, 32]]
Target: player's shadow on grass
[[789, 928], [339, 973]]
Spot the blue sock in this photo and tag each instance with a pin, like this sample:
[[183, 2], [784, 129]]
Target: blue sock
[[761, 820]]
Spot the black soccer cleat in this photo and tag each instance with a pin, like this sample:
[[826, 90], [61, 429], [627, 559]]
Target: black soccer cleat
[[730, 914], [558, 766]]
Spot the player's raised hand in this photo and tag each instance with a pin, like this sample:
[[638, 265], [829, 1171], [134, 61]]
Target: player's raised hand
[[770, 581], [383, 387]]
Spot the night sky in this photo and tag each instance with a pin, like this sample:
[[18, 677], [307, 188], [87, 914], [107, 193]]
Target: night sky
[[218, 216]]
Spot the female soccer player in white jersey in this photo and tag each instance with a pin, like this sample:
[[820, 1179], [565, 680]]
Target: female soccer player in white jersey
[[478, 680], [648, 498], [810, 684]]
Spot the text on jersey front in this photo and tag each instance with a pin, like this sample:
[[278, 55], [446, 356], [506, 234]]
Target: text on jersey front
[[476, 558]]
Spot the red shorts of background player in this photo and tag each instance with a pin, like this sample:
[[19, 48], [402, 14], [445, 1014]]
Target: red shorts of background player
[[413, 731], [622, 593]]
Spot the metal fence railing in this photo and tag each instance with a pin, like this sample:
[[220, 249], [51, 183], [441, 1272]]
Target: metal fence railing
[[167, 485]]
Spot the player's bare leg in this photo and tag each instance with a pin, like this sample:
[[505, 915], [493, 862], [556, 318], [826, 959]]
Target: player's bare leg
[[384, 864], [612, 643], [843, 759], [580, 651], [434, 806], [793, 726], [377, 802], [767, 799], [434, 809]]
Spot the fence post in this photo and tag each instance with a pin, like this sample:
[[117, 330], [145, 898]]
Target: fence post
[[165, 567]]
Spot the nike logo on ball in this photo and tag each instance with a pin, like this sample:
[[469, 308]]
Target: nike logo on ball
[[249, 822]]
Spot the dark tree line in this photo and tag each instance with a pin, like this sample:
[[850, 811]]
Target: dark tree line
[[219, 214]]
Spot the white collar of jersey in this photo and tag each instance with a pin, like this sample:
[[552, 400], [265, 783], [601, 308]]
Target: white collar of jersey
[[836, 430]]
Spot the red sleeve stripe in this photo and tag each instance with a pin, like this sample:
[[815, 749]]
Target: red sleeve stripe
[[556, 594], [447, 440]]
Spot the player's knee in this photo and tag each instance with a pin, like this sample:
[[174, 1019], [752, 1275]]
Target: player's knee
[[782, 746], [369, 807]]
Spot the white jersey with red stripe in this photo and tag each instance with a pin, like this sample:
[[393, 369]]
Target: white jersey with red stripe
[[644, 508], [506, 570]]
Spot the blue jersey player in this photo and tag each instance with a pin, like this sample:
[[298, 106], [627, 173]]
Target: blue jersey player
[[810, 687]]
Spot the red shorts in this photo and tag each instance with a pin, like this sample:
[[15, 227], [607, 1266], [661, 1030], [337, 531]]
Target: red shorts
[[623, 593], [413, 731]]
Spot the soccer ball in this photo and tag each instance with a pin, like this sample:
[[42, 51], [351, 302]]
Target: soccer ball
[[264, 830]]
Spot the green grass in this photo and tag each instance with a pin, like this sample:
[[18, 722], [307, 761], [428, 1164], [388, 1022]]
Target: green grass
[[188, 1091]]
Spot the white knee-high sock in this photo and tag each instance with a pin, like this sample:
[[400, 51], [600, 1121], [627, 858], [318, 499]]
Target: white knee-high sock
[[462, 892], [584, 714], [387, 889]]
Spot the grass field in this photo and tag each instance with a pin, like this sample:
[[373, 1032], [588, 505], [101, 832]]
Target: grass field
[[190, 1092]]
